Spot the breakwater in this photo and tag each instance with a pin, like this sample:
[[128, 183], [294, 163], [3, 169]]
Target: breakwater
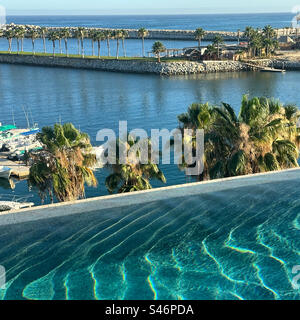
[[140, 66], [130, 65], [157, 34]]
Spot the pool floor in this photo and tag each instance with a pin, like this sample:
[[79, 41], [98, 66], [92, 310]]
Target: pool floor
[[240, 243]]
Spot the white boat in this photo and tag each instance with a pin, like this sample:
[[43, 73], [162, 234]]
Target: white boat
[[5, 172], [11, 205]]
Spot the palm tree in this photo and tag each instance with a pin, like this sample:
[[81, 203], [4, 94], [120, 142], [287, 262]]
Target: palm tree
[[92, 34], [264, 137], [20, 35], [124, 35], [60, 37], [199, 35], [99, 36], [65, 165], [43, 32], [134, 175], [218, 40], [53, 36], [143, 33], [108, 36], [117, 34], [80, 34], [157, 48], [33, 34], [268, 44], [256, 42], [269, 32], [211, 51], [248, 34], [9, 34], [66, 34]]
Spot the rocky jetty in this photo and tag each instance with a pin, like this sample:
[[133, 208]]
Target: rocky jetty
[[162, 34], [130, 65]]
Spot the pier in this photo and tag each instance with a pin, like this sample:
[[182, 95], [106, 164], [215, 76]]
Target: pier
[[19, 169], [262, 68]]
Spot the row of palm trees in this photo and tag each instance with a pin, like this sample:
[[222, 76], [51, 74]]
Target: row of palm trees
[[81, 33], [263, 137], [259, 40]]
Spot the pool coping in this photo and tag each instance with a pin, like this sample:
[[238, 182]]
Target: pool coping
[[140, 197]]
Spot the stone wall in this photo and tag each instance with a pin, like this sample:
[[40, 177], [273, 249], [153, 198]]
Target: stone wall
[[138, 66], [131, 66]]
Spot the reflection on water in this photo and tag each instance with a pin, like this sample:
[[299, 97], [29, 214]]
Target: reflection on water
[[93, 100], [7, 184]]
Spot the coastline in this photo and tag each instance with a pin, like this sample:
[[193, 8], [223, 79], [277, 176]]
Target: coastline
[[168, 68]]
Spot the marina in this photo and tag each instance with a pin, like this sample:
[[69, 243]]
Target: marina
[[18, 168]]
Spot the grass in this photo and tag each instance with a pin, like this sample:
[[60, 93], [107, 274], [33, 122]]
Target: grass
[[59, 55]]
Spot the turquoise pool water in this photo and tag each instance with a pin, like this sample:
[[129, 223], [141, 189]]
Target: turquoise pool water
[[235, 243]]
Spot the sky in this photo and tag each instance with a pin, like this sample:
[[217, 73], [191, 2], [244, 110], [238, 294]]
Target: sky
[[145, 7]]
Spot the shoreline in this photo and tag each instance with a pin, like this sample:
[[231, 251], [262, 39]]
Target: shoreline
[[147, 66]]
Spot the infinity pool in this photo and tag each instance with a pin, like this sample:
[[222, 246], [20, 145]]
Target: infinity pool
[[227, 240]]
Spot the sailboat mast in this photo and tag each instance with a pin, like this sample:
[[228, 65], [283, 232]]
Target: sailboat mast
[[26, 116]]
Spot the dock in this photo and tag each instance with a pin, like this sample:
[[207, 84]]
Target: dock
[[19, 169], [263, 69]]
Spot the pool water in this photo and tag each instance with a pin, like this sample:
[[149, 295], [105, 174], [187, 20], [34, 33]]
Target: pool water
[[235, 243]]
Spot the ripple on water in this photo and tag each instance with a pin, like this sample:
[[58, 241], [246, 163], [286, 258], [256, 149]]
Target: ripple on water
[[234, 244]]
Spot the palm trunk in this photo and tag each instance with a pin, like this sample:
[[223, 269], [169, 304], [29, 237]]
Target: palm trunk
[[118, 44], [93, 48], [9, 45], [33, 49], [108, 47], [158, 56], [199, 43], [123, 45], [66, 46], [99, 47], [44, 44], [143, 42], [18, 46], [78, 46], [82, 48], [22, 44], [53, 48], [60, 48]]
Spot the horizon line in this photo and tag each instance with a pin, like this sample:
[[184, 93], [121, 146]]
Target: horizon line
[[140, 14]]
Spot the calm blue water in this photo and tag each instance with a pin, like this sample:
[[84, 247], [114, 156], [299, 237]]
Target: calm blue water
[[239, 243], [94, 100], [228, 22]]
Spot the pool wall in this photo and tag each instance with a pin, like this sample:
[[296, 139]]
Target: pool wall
[[122, 200]]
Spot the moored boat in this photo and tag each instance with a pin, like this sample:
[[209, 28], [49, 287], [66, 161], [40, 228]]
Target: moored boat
[[12, 205], [5, 172]]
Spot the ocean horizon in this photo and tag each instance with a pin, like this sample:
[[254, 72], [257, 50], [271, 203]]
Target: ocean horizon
[[226, 22]]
